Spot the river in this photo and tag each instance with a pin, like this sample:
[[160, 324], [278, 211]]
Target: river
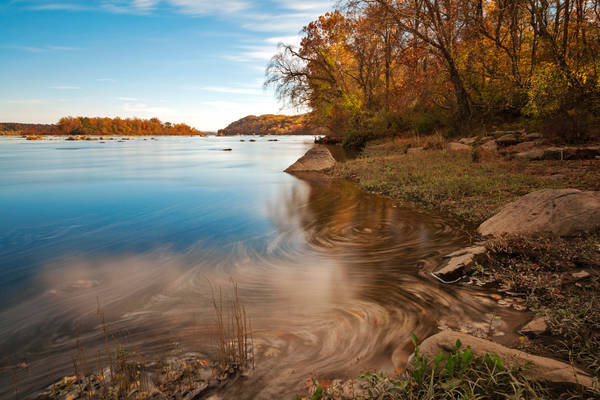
[[333, 279]]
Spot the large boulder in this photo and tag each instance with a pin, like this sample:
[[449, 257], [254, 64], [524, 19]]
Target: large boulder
[[561, 212], [539, 368], [458, 147], [316, 159]]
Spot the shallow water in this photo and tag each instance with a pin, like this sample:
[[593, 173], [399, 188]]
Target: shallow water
[[334, 279]]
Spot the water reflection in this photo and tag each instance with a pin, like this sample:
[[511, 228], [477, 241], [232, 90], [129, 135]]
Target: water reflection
[[334, 286]]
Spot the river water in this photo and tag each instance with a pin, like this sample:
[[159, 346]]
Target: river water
[[333, 279]]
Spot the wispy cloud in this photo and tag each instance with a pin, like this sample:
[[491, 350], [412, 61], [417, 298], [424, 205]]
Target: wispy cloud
[[64, 87], [26, 101], [226, 89], [143, 110], [40, 49], [58, 7], [127, 98]]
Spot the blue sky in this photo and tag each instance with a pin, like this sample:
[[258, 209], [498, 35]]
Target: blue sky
[[196, 61]]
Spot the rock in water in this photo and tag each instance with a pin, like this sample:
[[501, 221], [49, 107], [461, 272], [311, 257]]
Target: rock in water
[[538, 367], [316, 159], [562, 212]]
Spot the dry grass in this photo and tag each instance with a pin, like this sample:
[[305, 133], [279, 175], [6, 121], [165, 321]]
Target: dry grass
[[471, 188], [120, 371], [235, 350]]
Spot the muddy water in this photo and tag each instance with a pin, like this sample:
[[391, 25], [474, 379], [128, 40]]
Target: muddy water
[[334, 279]]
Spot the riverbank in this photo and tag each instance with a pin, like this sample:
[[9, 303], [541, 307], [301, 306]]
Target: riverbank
[[556, 278]]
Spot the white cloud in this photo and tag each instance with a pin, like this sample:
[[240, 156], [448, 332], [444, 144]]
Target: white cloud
[[27, 101], [291, 40], [209, 7], [41, 49], [64, 87], [143, 110], [127, 98], [226, 89]]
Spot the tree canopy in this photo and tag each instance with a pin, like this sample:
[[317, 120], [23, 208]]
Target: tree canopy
[[380, 66]]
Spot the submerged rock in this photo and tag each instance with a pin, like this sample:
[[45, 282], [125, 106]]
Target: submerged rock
[[316, 159], [562, 212], [539, 368]]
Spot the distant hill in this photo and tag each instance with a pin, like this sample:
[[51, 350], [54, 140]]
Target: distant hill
[[271, 124]]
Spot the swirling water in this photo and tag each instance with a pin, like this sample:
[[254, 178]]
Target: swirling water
[[334, 279]]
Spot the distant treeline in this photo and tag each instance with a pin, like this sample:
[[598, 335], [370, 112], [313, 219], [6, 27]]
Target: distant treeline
[[120, 126], [34, 128], [103, 126], [270, 124]]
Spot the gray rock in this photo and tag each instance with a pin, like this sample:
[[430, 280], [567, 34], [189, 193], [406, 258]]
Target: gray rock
[[560, 153], [535, 327], [508, 140], [458, 147], [456, 263], [531, 155], [541, 368], [316, 159], [490, 146], [524, 146], [562, 212], [532, 136]]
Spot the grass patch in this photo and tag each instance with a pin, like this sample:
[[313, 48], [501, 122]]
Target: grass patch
[[458, 374], [470, 188]]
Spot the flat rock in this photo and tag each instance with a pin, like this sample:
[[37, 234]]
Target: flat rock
[[581, 275], [316, 159], [458, 147], [508, 140], [562, 212], [457, 262], [532, 136], [541, 368], [468, 141], [414, 150], [524, 146], [560, 153], [535, 327]]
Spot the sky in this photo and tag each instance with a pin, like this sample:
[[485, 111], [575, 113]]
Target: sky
[[201, 62]]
